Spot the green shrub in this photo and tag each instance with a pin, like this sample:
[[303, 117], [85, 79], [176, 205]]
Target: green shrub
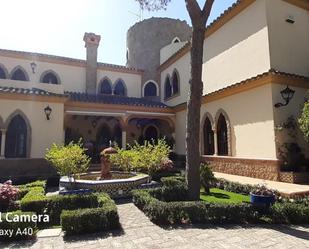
[[161, 212], [68, 160], [290, 213], [304, 121], [92, 220], [234, 186], [207, 177], [58, 203], [148, 157], [21, 230], [35, 200], [104, 217]]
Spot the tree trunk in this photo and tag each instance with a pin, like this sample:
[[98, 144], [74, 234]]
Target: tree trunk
[[193, 114]]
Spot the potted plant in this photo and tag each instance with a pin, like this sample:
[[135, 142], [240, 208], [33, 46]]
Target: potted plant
[[262, 196]]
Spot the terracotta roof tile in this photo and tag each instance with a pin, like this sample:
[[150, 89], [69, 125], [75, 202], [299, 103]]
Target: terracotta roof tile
[[29, 91]]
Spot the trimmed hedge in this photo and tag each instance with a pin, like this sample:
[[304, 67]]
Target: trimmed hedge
[[21, 230], [92, 220], [161, 212], [25, 188], [290, 213], [37, 202]]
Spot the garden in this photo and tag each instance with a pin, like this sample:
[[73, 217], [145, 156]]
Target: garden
[[25, 209]]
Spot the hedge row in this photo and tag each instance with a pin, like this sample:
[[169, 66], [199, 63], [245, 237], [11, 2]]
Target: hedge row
[[25, 188], [177, 212], [21, 230], [36, 201], [91, 220]]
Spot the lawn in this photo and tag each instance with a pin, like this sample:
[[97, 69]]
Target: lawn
[[222, 196]]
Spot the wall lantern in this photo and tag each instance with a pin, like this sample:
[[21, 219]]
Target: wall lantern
[[94, 123], [47, 111], [287, 94], [33, 66]]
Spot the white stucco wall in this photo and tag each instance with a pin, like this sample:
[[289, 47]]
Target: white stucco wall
[[169, 50], [294, 108], [72, 77], [132, 81], [238, 50], [43, 132], [183, 67], [251, 117], [288, 42]]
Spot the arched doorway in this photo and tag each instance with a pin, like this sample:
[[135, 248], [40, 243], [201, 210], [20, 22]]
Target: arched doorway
[[209, 147], [222, 136], [151, 133], [16, 138], [104, 136]]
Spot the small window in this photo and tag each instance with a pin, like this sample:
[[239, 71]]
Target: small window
[[120, 88], [50, 78], [19, 75], [176, 40], [175, 82], [150, 90], [2, 73], [168, 87], [106, 87]]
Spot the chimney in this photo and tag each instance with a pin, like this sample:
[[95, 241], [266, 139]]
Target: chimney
[[91, 44]]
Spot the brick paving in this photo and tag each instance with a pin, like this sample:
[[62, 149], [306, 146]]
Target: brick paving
[[138, 232]]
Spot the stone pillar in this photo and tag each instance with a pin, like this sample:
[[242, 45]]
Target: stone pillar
[[215, 142], [91, 43], [124, 139], [3, 136]]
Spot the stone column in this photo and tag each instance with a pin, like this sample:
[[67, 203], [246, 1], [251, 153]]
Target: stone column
[[215, 142], [124, 139], [91, 43], [3, 136]]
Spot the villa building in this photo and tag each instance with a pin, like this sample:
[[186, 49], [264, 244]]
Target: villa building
[[253, 51]]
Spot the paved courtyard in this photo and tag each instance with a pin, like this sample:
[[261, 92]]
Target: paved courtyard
[[139, 232]]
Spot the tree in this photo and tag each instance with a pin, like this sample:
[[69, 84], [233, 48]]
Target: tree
[[304, 121], [199, 17], [69, 160]]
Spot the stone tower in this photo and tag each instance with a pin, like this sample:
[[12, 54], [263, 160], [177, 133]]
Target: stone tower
[[92, 42], [145, 40]]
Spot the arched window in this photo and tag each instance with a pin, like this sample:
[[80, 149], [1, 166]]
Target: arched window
[[175, 84], [209, 147], [150, 90], [50, 78], [19, 74], [222, 136], [151, 133], [106, 87], [176, 40], [16, 138], [117, 135], [104, 136], [168, 87], [120, 88], [2, 73]]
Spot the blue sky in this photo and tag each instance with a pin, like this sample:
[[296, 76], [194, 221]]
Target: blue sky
[[57, 26]]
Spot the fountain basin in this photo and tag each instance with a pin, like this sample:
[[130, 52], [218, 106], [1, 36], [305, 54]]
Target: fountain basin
[[121, 184]]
